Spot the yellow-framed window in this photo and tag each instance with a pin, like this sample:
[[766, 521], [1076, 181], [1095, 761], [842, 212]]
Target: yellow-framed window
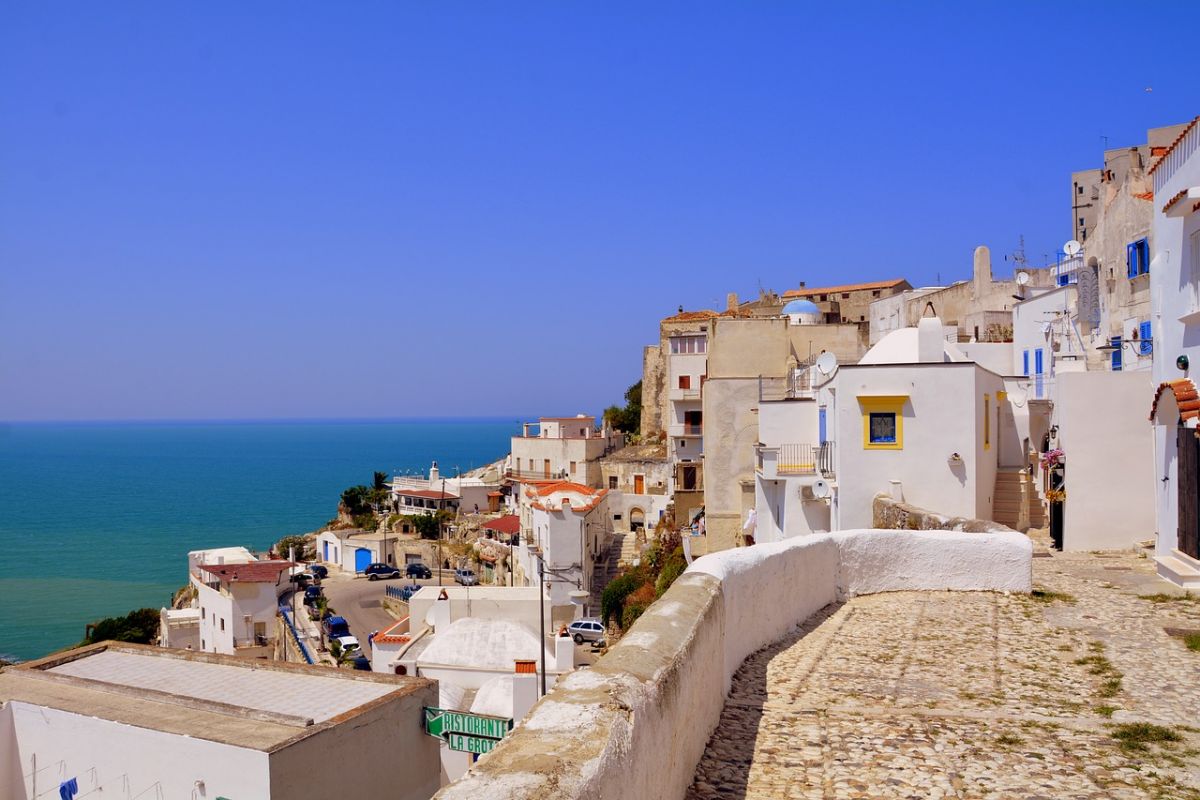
[[883, 421]]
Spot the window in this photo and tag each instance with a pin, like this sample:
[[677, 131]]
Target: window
[[987, 422], [875, 293], [616, 517], [612, 481], [572, 467], [203, 612], [1146, 345], [1080, 188], [845, 295], [222, 623], [1137, 258], [824, 298], [883, 422], [685, 381], [1081, 222], [1025, 363]]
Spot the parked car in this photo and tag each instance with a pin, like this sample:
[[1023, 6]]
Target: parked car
[[335, 627], [319, 570], [311, 594], [466, 577], [362, 663], [588, 629], [301, 579], [380, 570], [418, 570], [349, 645]]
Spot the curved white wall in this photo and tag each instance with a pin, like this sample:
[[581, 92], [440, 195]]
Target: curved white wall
[[636, 724]]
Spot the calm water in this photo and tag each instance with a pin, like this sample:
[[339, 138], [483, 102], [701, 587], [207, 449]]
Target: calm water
[[97, 519]]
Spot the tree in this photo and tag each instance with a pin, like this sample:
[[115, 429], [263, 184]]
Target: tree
[[139, 627], [629, 418], [302, 546], [429, 526], [380, 481], [356, 499]]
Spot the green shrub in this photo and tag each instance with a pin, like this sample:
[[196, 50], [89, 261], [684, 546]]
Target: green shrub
[[139, 627], [670, 571], [612, 599]]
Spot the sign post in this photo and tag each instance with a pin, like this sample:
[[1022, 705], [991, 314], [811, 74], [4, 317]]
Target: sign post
[[470, 733]]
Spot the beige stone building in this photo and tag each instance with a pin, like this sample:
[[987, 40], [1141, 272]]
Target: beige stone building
[[748, 359], [849, 303], [638, 478]]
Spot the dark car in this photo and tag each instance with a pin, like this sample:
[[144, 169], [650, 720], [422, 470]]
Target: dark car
[[319, 570], [335, 627], [311, 594], [378, 570], [418, 570], [363, 663]]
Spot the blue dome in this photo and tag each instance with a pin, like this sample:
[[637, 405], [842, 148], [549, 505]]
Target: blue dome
[[801, 307]]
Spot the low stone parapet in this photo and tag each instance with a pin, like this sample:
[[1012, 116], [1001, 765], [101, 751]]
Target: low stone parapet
[[887, 512], [636, 723]]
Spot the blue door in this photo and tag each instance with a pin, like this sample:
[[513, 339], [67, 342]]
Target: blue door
[[362, 559], [325, 552], [1038, 371]]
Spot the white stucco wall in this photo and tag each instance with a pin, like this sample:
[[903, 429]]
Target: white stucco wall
[[1175, 309], [114, 750], [636, 724], [942, 415], [1110, 459], [214, 606]]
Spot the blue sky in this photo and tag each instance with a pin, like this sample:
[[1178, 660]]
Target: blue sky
[[366, 210]]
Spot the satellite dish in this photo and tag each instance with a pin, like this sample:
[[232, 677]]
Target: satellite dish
[[1022, 278], [820, 489], [826, 363], [1072, 248]]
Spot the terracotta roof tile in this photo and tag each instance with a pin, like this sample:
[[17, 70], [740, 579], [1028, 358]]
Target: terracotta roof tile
[[1144, 195], [1186, 398], [850, 287], [398, 633], [509, 523], [428, 494], [1174, 144], [254, 572], [691, 316]]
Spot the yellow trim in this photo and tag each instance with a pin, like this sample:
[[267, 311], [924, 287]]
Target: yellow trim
[[883, 404], [987, 422]]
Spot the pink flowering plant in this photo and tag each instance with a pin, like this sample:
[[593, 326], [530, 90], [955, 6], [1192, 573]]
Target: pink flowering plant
[[1053, 457]]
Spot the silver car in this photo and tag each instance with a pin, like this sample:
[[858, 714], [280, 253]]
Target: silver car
[[588, 629], [466, 577]]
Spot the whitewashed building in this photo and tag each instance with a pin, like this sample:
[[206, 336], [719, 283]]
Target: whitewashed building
[[562, 448], [1175, 302], [122, 720], [238, 604]]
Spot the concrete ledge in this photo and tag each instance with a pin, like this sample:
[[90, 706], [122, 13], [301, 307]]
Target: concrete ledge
[[896, 515], [636, 724]]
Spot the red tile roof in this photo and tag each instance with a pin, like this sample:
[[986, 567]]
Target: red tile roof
[[1174, 144], [566, 486], [1144, 195], [850, 287], [397, 633], [1186, 398], [254, 572], [509, 523]]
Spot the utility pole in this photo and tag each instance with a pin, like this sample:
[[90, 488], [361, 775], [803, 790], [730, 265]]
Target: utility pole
[[441, 506], [542, 619]]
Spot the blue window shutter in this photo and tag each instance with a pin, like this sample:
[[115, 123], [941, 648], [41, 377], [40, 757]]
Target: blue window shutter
[[1037, 361], [1147, 341], [1143, 256], [1116, 354], [821, 423], [1025, 363], [1131, 260]]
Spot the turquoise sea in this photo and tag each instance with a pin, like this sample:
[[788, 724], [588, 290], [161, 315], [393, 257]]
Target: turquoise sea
[[97, 518]]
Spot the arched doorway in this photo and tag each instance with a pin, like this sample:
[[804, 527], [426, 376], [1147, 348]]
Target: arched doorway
[[362, 559], [637, 519]]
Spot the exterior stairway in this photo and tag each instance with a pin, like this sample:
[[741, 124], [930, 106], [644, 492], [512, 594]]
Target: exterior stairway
[[1016, 502], [606, 568]]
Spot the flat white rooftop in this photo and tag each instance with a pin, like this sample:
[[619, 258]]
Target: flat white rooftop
[[295, 694]]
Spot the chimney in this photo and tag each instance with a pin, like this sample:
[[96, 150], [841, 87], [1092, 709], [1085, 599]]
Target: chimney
[[525, 688], [983, 271], [731, 301], [433, 474], [930, 347]]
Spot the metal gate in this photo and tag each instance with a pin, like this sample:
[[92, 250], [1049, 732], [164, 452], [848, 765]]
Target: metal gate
[[1189, 492]]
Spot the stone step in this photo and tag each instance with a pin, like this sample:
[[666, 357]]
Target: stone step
[[1178, 572]]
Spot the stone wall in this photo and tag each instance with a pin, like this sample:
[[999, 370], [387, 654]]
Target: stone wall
[[890, 514], [637, 722]]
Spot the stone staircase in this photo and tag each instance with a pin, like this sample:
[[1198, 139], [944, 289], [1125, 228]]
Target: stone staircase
[[1016, 502]]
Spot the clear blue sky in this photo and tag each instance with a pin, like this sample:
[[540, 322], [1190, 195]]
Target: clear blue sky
[[217, 210]]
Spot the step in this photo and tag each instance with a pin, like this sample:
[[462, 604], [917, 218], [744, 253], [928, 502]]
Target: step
[[1178, 572]]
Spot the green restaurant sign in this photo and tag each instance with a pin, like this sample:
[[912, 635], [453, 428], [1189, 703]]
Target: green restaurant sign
[[471, 733]]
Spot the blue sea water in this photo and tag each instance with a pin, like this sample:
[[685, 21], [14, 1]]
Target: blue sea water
[[96, 519]]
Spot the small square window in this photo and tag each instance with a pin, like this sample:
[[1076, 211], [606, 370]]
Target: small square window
[[883, 427], [612, 481]]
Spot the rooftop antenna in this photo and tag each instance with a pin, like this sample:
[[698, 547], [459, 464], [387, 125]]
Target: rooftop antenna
[[1104, 139], [1018, 255]]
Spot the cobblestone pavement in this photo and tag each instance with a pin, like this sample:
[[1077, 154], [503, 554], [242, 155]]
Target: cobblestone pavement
[[974, 695]]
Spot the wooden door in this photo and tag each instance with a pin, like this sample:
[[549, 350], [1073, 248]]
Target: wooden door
[[1189, 492], [639, 484], [546, 467]]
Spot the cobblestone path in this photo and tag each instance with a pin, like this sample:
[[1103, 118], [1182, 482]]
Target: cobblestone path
[[974, 695]]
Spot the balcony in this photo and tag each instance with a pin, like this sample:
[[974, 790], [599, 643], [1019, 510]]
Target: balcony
[[690, 393], [683, 429], [787, 460]]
